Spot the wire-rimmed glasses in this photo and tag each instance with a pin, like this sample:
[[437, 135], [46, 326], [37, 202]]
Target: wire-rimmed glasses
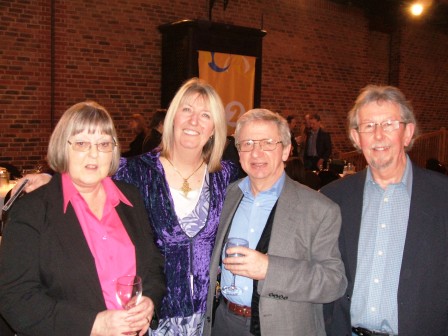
[[387, 126], [249, 145], [84, 146]]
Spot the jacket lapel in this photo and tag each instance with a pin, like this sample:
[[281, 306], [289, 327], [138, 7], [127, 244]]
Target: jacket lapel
[[71, 238], [352, 214], [233, 199]]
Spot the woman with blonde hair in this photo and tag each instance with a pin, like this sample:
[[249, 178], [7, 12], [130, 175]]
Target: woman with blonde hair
[[184, 187]]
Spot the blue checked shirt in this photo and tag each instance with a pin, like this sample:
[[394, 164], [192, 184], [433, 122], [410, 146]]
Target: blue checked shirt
[[384, 223], [248, 223]]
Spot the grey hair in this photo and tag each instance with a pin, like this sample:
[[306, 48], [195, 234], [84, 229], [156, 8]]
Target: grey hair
[[382, 93], [265, 115]]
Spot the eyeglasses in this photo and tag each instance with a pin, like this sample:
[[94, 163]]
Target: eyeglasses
[[387, 126], [265, 145], [84, 146]]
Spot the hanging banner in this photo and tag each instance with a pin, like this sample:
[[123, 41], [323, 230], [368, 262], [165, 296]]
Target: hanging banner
[[233, 77]]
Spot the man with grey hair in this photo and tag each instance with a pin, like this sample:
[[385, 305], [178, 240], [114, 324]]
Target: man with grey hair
[[394, 240], [292, 263]]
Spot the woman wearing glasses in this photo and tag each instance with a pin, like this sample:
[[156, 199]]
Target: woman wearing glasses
[[66, 243], [183, 187]]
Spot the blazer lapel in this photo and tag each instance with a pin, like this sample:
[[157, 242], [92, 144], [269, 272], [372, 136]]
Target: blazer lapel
[[72, 239], [285, 215], [350, 229], [233, 199], [131, 230]]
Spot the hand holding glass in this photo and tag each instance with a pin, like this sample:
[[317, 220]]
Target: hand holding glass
[[232, 242], [129, 290]]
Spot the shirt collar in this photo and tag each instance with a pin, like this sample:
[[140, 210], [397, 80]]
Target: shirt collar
[[114, 195], [275, 190], [406, 179]]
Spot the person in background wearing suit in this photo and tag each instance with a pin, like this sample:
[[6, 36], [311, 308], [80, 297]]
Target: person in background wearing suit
[[292, 123], [317, 145], [293, 263], [394, 228], [154, 137], [66, 243], [137, 124]]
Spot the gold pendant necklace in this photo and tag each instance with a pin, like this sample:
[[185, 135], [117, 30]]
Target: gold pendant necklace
[[185, 185]]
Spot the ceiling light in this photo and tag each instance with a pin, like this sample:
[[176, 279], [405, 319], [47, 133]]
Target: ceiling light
[[416, 9]]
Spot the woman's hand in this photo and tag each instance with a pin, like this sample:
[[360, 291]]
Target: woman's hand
[[117, 322], [140, 316], [111, 322], [35, 181]]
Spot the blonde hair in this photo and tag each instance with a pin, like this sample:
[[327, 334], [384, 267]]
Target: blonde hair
[[214, 148], [78, 118]]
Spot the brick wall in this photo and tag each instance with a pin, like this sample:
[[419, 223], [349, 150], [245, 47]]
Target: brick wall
[[316, 56]]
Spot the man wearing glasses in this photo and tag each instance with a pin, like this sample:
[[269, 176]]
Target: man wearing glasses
[[394, 234], [292, 264]]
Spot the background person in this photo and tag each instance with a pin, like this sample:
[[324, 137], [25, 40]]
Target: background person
[[295, 169], [292, 123], [137, 124], [394, 227], [231, 154], [154, 136], [317, 145], [292, 264], [66, 243], [305, 129]]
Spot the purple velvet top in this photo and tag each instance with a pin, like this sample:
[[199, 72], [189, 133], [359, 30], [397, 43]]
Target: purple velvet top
[[183, 255]]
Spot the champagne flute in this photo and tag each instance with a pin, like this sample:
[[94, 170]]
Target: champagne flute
[[128, 290], [232, 242]]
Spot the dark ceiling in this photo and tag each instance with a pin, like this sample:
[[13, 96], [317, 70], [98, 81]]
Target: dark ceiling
[[385, 15]]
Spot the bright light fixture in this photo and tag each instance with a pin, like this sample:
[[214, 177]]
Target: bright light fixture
[[416, 9]]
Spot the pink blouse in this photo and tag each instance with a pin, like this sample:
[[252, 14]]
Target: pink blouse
[[108, 240]]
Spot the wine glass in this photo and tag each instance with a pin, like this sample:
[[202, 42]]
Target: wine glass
[[232, 242], [128, 290]]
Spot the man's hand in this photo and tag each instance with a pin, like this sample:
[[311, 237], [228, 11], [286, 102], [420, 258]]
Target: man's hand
[[253, 265]]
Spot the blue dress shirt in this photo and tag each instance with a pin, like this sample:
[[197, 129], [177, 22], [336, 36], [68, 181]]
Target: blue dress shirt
[[248, 223], [384, 222]]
